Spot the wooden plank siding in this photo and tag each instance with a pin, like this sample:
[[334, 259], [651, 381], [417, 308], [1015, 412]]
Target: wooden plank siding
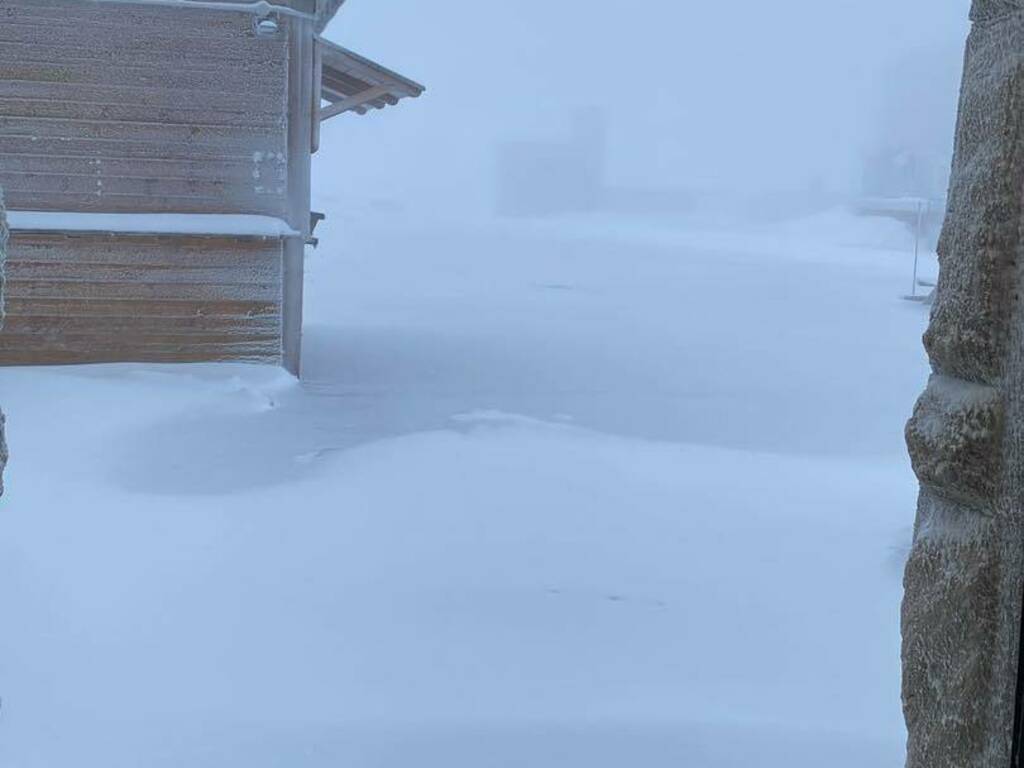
[[114, 298], [141, 109], [121, 108]]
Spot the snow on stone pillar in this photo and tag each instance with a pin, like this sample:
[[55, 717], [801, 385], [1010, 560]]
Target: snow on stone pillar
[[964, 581]]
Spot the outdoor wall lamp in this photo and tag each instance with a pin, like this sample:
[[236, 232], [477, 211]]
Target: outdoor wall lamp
[[266, 26]]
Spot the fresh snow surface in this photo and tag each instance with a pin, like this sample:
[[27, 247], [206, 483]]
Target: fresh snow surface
[[227, 224], [552, 494]]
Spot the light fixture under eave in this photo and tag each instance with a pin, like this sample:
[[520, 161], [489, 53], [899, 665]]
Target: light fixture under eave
[[267, 26]]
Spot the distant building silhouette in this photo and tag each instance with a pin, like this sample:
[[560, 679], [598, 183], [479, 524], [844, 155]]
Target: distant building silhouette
[[536, 178]]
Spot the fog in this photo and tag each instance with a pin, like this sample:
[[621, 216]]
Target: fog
[[573, 475], [736, 96]]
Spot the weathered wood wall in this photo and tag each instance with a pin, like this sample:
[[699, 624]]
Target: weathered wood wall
[[141, 108], [146, 109], [103, 298]]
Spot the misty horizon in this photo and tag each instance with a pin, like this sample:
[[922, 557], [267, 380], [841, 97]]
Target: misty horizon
[[734, 97]]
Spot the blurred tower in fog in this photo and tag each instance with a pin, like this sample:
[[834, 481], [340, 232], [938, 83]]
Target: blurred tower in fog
[[912, 149], [905, 170], [588, 139], [546, 177]]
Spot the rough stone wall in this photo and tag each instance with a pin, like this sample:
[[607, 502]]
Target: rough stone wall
[[964, 581]]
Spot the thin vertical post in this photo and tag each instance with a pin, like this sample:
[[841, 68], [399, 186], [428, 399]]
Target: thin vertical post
[[917, 244], [300, 115]]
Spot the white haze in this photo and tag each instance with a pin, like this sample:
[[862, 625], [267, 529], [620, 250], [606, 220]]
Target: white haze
[[739, 95], [606, 487]]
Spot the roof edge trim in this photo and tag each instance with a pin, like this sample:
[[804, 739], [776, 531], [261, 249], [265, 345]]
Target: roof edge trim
[[410, 86]]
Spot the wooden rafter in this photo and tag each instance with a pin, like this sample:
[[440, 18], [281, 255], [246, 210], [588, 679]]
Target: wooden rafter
[[352, 83], [354, 102]]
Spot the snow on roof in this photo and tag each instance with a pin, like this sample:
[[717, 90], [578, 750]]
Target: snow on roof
[[211, 224]]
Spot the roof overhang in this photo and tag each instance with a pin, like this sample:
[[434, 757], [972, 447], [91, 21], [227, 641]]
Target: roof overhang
[[352, 83]]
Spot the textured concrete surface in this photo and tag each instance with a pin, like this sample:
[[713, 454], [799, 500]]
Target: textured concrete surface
[[954, 437], [963, 584]]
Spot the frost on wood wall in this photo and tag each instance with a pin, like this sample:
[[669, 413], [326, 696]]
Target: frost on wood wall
[[3, 281], [3, 254]]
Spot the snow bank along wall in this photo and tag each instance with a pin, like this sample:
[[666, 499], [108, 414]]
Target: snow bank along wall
[[965, 577], [147, 110]]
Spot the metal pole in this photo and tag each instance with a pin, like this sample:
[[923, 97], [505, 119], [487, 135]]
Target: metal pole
[[917, 244]]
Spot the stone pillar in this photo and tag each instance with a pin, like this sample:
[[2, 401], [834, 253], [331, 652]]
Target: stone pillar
[[964, 581]]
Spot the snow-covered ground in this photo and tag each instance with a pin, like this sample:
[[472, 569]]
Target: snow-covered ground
[[581, 493]]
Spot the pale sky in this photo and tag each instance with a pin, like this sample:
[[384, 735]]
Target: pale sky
[[719, 94]]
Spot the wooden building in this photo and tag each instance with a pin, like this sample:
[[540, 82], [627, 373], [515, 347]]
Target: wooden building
[[155, 159]]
